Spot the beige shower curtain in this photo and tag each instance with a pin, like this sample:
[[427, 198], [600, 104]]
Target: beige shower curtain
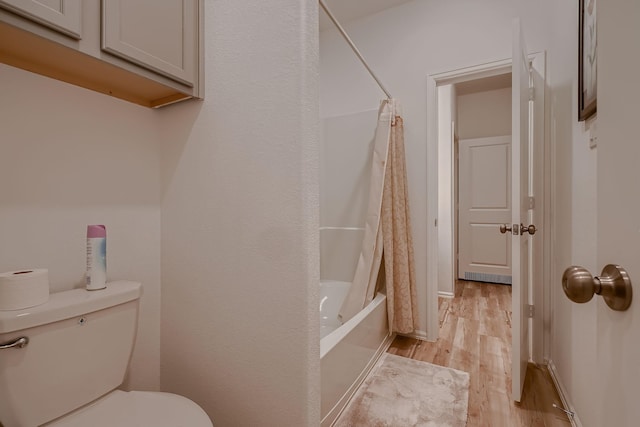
[[400, 273], [387, 230]]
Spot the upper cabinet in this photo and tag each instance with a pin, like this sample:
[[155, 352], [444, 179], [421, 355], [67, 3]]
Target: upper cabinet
[[144, 51], [161, 36], [61, 15]]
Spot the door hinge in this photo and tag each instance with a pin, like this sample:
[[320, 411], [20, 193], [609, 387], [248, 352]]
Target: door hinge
[[530, 310], [532, 94], [532, 202]]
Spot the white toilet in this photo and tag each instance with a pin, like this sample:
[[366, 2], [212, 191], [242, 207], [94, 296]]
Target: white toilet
[[61, 363]]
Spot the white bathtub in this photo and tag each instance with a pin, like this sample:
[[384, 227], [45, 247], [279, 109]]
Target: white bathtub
[[349, 352]]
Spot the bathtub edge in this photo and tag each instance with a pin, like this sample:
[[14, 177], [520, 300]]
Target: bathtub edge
[[335, 412]]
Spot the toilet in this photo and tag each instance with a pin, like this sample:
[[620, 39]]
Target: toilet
[[61, 364]]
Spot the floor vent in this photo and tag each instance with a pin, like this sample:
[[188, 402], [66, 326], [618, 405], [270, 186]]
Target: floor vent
[[484, 277]]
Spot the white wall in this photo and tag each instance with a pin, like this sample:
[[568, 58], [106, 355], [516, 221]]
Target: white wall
[[240, 249], [70, 157], [484, 114]]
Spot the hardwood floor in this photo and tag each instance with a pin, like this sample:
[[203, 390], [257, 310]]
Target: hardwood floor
[[475, 336]]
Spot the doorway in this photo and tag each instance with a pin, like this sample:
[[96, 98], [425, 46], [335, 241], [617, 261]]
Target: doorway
[[442, 215], [461, 115], [482, 179]]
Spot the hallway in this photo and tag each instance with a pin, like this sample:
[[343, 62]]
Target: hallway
[[475, 336]]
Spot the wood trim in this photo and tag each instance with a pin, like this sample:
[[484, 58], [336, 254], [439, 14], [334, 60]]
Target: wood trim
[[417, 335], [443, 294], [479, 71], [168, 100], [562, 392], [432, 209], [542, 245]]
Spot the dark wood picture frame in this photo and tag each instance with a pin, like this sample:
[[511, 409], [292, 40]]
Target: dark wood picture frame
[[587, 59]]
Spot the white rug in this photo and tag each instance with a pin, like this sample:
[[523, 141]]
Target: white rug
[[401, 392]]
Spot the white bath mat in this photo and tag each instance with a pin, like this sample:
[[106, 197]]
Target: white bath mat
[[406, 392]]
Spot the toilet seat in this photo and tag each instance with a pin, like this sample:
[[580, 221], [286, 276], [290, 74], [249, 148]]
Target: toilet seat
[[137, 409]]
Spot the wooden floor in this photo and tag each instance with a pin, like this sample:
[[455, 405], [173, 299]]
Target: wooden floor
[[475, 336]]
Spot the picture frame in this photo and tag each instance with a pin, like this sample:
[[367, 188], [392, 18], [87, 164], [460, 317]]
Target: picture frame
[[587, 59]]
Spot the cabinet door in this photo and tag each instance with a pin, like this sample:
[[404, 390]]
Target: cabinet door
[[160, 35], [64, 16]]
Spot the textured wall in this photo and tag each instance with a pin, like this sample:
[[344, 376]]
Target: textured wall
[[240, 250]]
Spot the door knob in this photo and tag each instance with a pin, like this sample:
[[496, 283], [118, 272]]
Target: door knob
[[531, 229], [504, 228], [614, 285]]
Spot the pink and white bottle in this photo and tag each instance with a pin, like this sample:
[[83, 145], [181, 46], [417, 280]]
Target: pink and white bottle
[[96, 257]]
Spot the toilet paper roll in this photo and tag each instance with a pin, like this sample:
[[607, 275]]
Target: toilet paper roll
[[24, 288]]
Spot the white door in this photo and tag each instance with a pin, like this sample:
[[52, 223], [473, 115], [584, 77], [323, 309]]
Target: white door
[[618, 241], [484, 203], [521, 185]]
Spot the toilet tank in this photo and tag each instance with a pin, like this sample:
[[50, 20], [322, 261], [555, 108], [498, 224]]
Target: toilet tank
[[80, 343]]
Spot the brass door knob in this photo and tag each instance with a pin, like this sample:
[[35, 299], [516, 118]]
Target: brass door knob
[[504, 228], [614, 285], [531, 229]]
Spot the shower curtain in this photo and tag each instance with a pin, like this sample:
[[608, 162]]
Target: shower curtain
[[387, 231]]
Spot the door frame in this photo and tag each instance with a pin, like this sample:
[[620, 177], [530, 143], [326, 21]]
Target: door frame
[[539, 347]]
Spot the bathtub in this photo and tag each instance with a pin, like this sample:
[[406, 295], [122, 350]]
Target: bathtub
[[348, 351]]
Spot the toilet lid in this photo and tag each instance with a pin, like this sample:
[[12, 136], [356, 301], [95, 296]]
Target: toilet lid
[[137, 409]]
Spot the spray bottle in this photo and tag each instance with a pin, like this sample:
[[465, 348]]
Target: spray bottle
[[96, 257]]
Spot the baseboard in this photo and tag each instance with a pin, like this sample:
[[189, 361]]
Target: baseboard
[[334, 414], [445, 294], [562, 392], [418, 335]]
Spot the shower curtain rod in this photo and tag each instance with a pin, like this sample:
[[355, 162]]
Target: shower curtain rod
[[353, 47]]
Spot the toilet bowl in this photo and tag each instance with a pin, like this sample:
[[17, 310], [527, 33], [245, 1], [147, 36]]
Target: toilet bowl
[[62, 363], [136, 409]]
